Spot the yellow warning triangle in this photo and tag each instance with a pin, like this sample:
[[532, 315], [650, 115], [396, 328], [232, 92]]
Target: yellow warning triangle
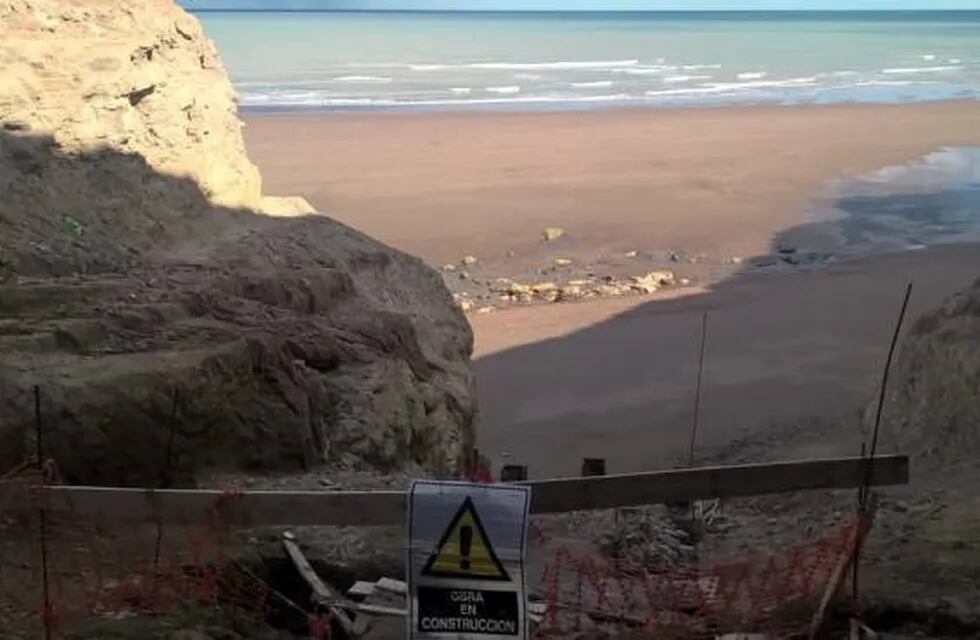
[[465, 551]]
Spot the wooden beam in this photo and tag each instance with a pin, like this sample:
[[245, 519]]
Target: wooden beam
[[705, 483], [322, 593], [373, 508], [197, 507]]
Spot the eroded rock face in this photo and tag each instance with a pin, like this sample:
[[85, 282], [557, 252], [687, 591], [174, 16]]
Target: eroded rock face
[[134, 76], [136, 268], [934, 409]]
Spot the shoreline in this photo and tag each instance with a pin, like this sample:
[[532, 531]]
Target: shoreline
[[247, 113]]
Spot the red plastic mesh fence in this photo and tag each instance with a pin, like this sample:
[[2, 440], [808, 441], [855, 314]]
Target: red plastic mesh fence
[[101, 575], [777, 594]]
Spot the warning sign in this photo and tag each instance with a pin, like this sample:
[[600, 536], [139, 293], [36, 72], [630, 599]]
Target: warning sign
[[466, 561], [464, 551]]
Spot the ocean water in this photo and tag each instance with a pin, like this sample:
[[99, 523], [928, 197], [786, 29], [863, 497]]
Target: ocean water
[[357, 60]]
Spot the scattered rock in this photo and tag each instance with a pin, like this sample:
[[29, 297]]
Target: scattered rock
[[552, 233], [516, 289], [544, 287], [685, 282], [609, 290], [468, 260], [644, 286], [735, 260], [448, 267], [579, 283], [562, 262], [465, 305], [570, 292], [661, 277], [630, 254], [463, 275], [487, 309], [652, 281]]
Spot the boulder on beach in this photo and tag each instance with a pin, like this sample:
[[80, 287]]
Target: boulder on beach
[[552, 233]]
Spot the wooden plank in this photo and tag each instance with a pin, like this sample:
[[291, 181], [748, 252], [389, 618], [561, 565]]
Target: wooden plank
[[179, 506], [372, 508], [321, 592], [685, 485]]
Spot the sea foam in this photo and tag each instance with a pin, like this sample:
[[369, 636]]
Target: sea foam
[[914, 70], [674, 79], [364, 79], [588, 85], [504, 90], [584, 64]]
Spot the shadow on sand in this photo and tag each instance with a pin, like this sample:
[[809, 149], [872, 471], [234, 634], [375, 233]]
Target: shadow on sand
[[795, 339]]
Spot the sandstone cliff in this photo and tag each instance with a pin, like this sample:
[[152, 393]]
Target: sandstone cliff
[[934, 408], [137, 264], [135, 76]]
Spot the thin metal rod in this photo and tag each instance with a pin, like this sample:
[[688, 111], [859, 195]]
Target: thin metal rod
[[697, 392], [857, 547], [167, 478], [884, 389], [42, 514]]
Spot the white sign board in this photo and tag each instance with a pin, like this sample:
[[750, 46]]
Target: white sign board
[[466, 561]]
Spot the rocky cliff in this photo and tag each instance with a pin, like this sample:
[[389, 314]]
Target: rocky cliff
[[934, 408], [151, 291], [134, 76]]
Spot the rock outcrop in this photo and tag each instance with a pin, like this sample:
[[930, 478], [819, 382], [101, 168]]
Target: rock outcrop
[[150, 290], [934, 409], [134, 76]]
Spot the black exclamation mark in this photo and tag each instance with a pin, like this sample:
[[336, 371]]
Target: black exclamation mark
[[465, 541]]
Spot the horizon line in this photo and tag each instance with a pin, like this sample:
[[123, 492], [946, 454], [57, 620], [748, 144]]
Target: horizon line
[[674, 11]]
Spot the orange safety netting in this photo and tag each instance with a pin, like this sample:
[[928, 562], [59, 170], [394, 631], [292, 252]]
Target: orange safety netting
[[103, 572], [776, 593], [110, 573]]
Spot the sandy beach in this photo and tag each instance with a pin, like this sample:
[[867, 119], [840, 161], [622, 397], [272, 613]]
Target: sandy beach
[[615, 377], [714, 181]]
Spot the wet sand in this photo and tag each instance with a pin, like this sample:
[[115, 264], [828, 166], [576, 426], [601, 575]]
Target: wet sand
[[715, 181]]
